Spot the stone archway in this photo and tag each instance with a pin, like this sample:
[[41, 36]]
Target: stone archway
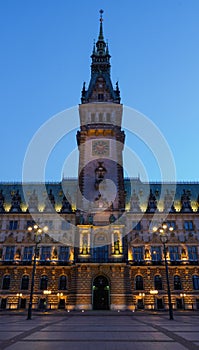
[[101, 293]]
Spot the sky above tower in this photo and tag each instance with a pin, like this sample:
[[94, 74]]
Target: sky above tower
[[45, 57]]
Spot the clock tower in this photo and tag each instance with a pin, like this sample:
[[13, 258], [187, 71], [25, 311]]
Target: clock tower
[[100, 140]]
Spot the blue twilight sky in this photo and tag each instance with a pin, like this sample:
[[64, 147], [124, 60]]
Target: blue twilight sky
[[45, 57]]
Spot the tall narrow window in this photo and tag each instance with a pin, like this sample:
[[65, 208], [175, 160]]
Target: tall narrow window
[[158, 282], [188, 225], [27, 253], [139, 285], [156, 253], [177, 282], [6, 282], [46, 253], [137, 254], [9, 255], [44, 282], [64, 253], [62, 282], [195, 280], [192, 253], [25, 282], [174, 253], [13, 225]]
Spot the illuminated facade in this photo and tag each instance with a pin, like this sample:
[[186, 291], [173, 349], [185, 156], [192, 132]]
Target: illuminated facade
[[101, 250]]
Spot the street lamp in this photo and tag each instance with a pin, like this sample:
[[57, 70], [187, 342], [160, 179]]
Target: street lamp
[[163, 230], [37, 232]]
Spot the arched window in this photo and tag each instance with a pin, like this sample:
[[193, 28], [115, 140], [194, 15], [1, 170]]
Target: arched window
[[177, 282], [62, 282], [6, 282], [158, 282], [139, 285], [43, 282], [195, 280], [25, 282]]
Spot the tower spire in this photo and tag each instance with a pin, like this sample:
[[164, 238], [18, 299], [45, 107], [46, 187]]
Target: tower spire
[[100, 88], [101, 36]]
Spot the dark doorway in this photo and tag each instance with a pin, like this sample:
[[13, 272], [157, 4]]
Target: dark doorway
[[140, 304], [160, 304], [61, 304], [3, 303], [101, 293], [179, 304], [22, 303], [42, 304]]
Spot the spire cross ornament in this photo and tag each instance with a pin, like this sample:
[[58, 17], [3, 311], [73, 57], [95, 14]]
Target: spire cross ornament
[[101, 13]]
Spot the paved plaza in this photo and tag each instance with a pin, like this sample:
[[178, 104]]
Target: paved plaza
[[97, 330]]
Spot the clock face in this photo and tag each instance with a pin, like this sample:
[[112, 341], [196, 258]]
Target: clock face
[[100, 148]]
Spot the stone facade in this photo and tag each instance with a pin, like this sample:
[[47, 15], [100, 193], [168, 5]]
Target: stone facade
[[101, 250]]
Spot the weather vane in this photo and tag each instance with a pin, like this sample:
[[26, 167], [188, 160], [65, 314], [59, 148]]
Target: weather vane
[[101, 13]]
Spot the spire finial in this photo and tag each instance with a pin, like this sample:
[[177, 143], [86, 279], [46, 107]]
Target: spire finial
[[101, 13], [101, 36]]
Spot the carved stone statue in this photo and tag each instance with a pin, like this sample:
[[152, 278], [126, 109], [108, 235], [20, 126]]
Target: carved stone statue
[[90, 219], [2, 199], [185, 202], [33, 202], [16, 203], [152, 203], [135, 207], [66, 206], [168, 203], [49, 202], [100, 172]]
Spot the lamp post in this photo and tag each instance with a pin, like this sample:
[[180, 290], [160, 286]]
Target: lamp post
[[163, 230], [37, 232]]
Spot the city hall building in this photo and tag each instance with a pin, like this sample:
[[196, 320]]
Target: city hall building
[[101, 251]]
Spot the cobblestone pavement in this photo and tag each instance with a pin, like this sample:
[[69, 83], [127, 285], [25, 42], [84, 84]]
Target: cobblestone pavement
[[94, 330]]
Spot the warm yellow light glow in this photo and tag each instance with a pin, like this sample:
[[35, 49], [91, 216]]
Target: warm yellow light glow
[[35, 227], [39, 230], [161, 230], [164, 225], [153, 292], [155, 229], [29, 228], [46, 292], [45, 229], [171, 228]]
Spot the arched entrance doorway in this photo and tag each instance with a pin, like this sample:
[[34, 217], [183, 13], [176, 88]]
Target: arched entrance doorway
[[101, 293]]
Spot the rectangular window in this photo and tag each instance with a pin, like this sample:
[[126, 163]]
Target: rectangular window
[[28, 253], [10, 251], [173, 253], [156, 253], [136, 226], [46, 253], [171, 224], [188, 225], [13, 225], [63, 253], [192, 253], [137, 253], [30, 223]]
